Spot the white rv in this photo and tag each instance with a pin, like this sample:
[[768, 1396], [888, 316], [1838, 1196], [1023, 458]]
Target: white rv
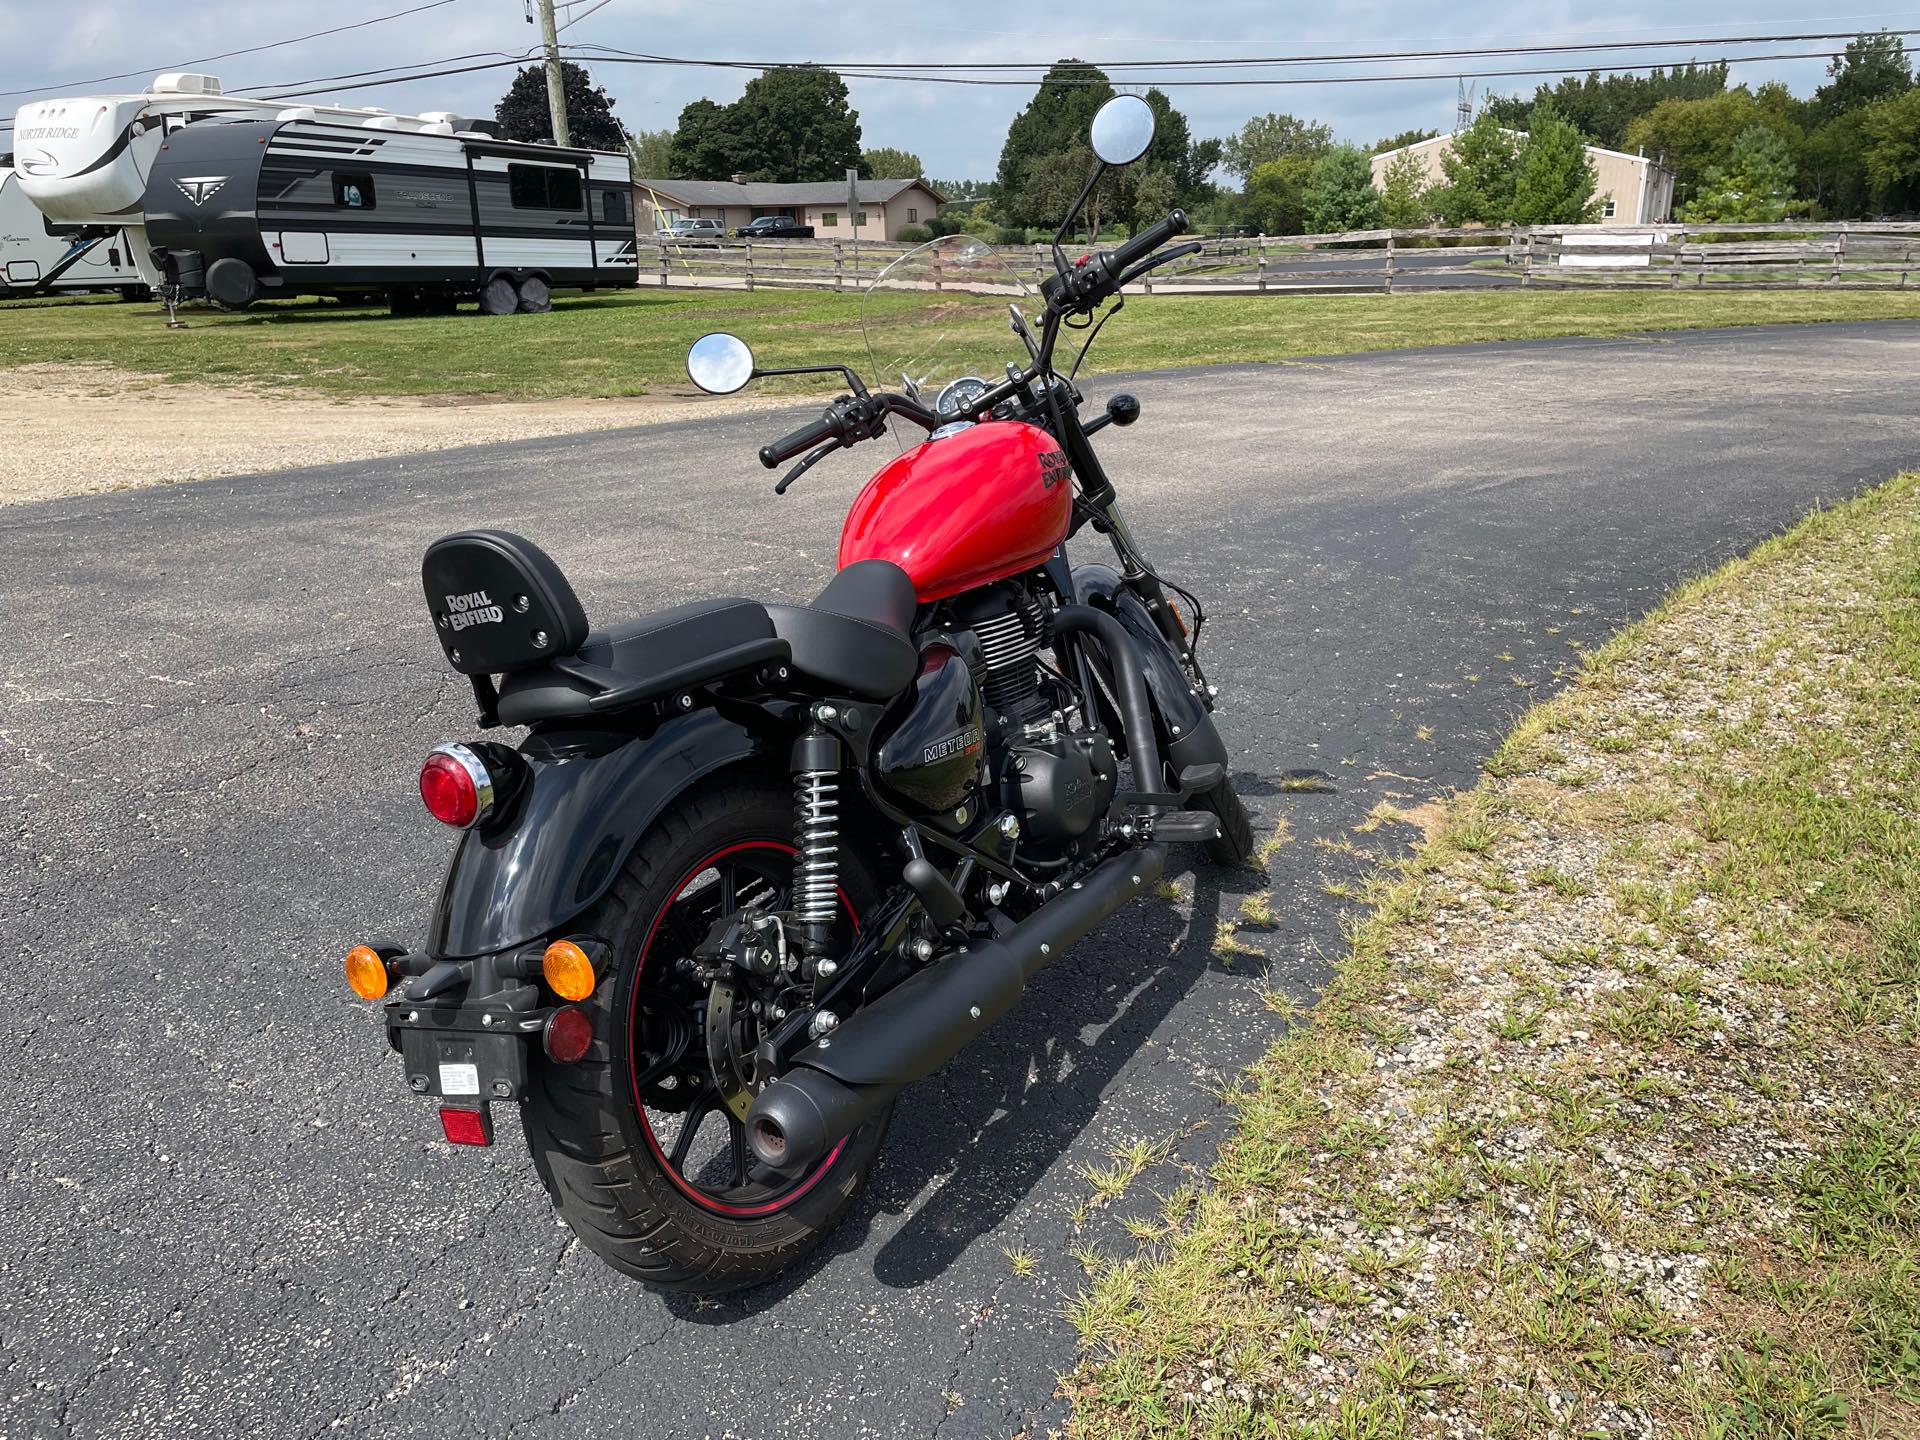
[[38, 257], [85, 160]]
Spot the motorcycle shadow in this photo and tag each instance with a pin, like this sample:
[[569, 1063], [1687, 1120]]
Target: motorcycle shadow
[[976, 1138]]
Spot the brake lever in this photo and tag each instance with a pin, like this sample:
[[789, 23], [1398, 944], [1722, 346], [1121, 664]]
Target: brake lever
[[1153, 262], [812, 459]]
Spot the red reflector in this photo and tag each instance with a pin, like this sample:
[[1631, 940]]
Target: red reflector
[[449, 791], [568, 1034], [466, 1127]]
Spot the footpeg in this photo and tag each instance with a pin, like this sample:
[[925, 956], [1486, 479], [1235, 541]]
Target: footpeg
[[1187, 825]]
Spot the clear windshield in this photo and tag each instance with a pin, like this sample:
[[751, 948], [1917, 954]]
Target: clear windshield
[[939, 344]]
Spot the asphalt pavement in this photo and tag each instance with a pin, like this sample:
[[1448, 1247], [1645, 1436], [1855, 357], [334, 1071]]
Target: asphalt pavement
[[224, 1215]]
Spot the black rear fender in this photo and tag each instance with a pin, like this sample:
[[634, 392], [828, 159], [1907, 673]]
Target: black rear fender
[[1185, 729], [588, 796]]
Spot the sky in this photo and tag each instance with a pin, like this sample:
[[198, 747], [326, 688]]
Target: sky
[[955, 129]]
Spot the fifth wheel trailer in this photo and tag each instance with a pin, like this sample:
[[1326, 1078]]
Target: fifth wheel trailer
[[243, 210], [38, 257]]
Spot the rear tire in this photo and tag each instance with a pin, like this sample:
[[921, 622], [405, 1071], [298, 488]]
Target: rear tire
[[535, 297], [594, 1144], [1234, 846]]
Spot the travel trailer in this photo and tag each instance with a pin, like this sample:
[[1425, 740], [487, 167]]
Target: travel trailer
[[38, 257], [242, 210], [87, 161]]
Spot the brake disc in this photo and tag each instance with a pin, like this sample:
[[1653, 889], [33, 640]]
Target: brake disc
[[733, 1037]]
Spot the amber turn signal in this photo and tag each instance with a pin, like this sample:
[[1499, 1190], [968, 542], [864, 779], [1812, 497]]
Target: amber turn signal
[[568, 970], [366, 972]]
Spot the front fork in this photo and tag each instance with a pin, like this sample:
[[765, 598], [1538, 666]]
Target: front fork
[[1135, 570]]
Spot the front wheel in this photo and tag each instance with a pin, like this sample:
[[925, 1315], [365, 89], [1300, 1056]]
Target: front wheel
[[1234, 844], [641, 1144]]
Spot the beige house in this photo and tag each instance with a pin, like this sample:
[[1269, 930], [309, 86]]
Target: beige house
[[1632, 189], [884, 205]]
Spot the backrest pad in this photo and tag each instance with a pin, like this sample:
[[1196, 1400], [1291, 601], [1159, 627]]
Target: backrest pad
[[499, 603]]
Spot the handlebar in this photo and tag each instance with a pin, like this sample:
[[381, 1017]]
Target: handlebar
[[828, 427], [1139, 246]]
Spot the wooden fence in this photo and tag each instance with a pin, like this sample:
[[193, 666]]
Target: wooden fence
[[1800, 255]]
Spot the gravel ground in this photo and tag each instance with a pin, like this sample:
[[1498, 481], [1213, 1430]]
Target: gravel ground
[[83, 429]]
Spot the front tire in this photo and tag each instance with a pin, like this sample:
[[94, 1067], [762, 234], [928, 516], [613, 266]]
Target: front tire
[[655, 1201], [1234, 845]]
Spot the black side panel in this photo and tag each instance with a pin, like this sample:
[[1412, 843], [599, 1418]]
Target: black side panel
[[1186, 730], [589, 797], [203, 191]]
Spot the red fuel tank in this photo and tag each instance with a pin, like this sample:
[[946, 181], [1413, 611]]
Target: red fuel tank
[[975, 507]]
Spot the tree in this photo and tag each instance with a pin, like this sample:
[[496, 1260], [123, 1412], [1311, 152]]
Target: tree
[[1403, 140], [1755, 186], [1480, 169], [703, 143], [1692, 136], [652, 152], [1274, 202], [1339, 193], [1053, 183], [1603, 106], [1554, 181], [1403, 193], [523, 112], [1266, 138], [883, 162], [793, 124], [1057, 119], [1833, 169], [1187, 163], [1872, 68], [1891, 130]]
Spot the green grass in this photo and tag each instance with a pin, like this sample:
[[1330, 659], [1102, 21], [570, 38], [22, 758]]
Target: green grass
[[1662, 1167], [629, 342]]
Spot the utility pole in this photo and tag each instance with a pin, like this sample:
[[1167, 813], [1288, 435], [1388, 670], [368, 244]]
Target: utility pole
[[556, 82]]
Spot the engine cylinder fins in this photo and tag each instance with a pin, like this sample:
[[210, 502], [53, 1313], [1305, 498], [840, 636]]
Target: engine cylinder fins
[[816, 861], [1010, 642]]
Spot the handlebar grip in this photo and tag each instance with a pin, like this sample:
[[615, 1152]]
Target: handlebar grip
[[1147, 241], [778, 452]]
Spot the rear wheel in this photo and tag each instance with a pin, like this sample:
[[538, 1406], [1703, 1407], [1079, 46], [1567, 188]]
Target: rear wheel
[[641, 1144], [535, 297]]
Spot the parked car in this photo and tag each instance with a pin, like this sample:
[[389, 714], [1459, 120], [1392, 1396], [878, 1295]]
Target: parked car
[[774, 227], [696, 232]]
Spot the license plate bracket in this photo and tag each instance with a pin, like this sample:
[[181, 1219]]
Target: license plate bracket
[[463, 1067]]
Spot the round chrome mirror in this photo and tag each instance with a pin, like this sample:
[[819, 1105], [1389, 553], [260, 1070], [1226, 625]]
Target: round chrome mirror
[[720, 363], [1123, 129]]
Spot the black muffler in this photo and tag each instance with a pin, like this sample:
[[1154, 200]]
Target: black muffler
[[847, 1075]]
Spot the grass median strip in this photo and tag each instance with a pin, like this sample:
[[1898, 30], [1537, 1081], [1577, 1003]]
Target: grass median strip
[[624, 343], [1608, 1124]]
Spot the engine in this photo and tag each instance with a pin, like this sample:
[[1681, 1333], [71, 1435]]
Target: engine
[[990, 723]]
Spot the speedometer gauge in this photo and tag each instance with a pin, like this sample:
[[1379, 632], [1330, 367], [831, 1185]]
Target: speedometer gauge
[[961, 396]]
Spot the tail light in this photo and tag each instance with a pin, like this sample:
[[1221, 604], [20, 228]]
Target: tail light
[[456, 787]]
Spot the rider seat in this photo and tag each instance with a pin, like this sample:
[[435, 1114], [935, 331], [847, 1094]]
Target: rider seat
[[504, 608]]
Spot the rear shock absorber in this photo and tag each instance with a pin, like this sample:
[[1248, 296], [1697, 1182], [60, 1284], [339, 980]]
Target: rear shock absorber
[[816, 838]]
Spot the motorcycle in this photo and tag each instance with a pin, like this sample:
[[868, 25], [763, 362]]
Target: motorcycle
[[755, 868]]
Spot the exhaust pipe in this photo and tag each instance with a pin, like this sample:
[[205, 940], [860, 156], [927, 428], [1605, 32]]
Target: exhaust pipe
[[848, 1075]]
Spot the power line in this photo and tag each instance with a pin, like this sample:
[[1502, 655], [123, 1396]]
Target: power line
[[848, 67], [230, 54], [1263, 80]]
